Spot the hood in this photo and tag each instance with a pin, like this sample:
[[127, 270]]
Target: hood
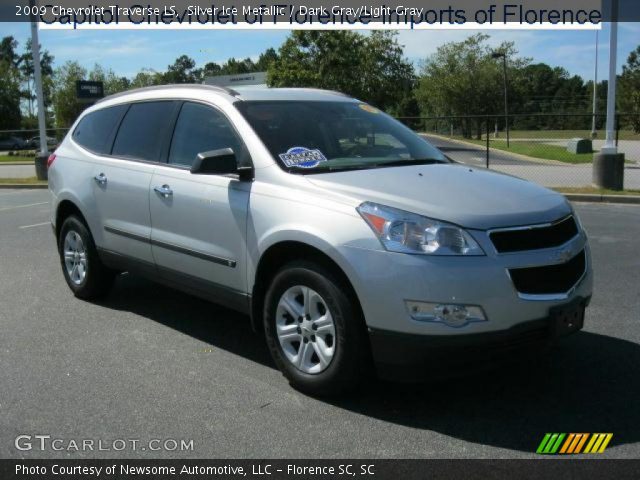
[[467, 196]]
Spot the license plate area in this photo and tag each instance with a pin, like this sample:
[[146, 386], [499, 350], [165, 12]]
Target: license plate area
[[568, 318]]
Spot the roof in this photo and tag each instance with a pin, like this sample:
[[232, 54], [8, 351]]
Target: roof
[[245, 93]]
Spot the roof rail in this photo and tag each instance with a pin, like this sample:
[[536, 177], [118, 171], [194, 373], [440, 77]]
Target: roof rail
[[217, 88]]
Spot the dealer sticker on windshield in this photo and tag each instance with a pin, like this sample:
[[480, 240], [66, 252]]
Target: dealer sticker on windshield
[[302, 157]]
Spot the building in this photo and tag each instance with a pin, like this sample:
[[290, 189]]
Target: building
[[258, 79]]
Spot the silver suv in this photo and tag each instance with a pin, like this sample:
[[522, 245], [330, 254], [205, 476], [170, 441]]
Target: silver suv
[[348, 239]]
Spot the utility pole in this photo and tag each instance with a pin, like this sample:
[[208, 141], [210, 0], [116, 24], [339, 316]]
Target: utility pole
[[506, 96], [608, 164], [37, 73], [594, 132]]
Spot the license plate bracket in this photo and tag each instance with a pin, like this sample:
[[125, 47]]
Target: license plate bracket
[[567, 319]]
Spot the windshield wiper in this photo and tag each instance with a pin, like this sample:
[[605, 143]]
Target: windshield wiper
[[404, 162]]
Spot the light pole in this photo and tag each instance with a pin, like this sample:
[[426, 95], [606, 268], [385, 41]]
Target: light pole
[[608, 164], [35, 50], [594, 132], [506, 97]]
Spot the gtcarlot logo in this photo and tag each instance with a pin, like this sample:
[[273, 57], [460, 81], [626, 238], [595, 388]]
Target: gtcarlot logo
[[43, 443]]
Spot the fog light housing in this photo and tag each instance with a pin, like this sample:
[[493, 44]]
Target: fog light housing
[[450, 314]]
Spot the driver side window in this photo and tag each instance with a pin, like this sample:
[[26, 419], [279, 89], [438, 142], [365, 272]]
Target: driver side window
[[200, 129]]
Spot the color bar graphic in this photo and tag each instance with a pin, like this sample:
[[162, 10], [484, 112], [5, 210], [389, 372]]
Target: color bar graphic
[[552, 443]]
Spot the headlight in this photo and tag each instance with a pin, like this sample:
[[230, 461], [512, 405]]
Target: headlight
[[406, 232]]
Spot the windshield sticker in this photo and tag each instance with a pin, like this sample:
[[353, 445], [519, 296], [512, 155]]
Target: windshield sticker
[[302, 157], [369, 108]]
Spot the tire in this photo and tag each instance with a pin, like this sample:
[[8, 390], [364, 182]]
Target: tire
[[323, 360], [83, 271]]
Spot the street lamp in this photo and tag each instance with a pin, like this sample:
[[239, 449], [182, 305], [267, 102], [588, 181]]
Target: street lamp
[[503, 55]]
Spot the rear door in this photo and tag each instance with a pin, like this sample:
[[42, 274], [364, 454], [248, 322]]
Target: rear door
[[121, 180], [199, 221]]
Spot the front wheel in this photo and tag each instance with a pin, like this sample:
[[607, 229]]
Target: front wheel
[[314, 331]]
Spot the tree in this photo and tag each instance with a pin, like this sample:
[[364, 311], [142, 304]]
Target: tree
[[27, 71], [65, 104], [265, 60], [368, 67], [8, 54], [146, 78], [182, 71], [10, 114], [111, 82], [629, 99], [462, 78]]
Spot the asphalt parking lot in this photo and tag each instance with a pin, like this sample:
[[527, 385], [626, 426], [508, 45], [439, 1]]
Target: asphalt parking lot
[[151, 363]]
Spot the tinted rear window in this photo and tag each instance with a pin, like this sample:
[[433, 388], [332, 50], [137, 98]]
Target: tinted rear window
[[143, 130], [95, 130]]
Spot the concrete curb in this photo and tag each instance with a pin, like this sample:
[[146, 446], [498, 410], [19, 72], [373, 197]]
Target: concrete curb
[[598, 198], [26, 162], [24, 185]]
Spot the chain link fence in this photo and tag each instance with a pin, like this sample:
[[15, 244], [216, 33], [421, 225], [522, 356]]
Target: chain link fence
[[554, 150]]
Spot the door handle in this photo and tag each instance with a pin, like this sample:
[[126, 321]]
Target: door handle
[[101, 179], [164, 190]]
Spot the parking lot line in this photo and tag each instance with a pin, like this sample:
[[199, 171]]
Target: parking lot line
[[22, 206], [35, 225]]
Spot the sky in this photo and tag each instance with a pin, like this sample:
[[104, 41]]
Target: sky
[[128, 51]]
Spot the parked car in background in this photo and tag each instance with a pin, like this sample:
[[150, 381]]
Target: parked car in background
[[12, 143], [348, 239], [34, 142]]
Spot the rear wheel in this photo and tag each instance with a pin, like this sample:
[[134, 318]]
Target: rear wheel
[[85, 274], [314, 331]]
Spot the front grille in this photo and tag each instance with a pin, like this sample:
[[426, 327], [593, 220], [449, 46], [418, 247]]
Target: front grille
[[550, 279], [535, 238]]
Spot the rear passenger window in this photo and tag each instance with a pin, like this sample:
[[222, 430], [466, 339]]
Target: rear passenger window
[[95, 130], [143, 130], [200, 129]]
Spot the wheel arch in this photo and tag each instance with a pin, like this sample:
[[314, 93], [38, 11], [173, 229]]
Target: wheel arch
[[64, 209], [278, 255]]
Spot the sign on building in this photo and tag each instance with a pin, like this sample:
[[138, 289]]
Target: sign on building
[[89, 91], [254, 78]]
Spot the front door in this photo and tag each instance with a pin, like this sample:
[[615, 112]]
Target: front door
[[199, 221]]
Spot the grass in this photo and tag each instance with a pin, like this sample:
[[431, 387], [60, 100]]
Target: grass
[[15, 158], [542, 151], [29, 180], [596, 191], [566, 134]]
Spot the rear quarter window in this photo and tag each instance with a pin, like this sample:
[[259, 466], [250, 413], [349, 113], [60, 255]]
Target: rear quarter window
[[96, 129], [143, 130]]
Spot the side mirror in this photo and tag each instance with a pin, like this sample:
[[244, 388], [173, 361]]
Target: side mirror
[[220, 162]]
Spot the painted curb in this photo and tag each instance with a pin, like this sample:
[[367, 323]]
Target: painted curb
[[598, 198], [23, 185]]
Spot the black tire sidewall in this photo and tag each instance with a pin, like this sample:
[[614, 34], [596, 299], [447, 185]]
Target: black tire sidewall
[[97, 278], [343, 371]]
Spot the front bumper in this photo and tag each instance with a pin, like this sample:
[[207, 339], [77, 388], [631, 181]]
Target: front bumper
[[405, 357], [385, 281]]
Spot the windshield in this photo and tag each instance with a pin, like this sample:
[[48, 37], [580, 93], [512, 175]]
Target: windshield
[[317, 137]]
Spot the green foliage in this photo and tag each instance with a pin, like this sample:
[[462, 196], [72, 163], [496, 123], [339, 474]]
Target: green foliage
[[629, 99], [10, 114], [369, 67], [65, 104]]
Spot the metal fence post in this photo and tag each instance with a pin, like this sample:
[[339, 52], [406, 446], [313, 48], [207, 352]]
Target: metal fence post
[[487, 129]]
